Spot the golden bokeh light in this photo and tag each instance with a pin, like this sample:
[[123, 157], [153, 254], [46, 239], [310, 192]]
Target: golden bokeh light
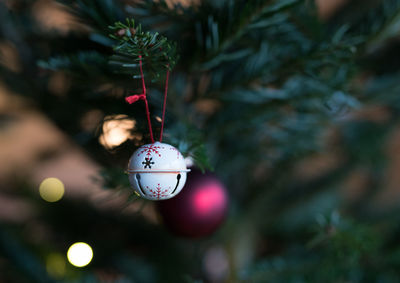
[[80, 254], [116, 130], [51, 189], [55, 265]]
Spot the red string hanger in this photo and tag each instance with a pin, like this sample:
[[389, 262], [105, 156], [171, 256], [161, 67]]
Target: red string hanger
[[143, 96]]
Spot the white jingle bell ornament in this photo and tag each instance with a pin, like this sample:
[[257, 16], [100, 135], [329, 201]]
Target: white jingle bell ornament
[[157, 171]]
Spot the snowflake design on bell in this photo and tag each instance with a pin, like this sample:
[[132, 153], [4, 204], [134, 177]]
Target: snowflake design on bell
[[177, 152], [149, 149], [163, 167], [148, 162], [158, 193]]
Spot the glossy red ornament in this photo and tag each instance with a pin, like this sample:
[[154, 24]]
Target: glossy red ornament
[[199, 209]]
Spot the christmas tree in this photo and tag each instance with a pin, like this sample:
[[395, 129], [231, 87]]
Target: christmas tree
[[292, 105]]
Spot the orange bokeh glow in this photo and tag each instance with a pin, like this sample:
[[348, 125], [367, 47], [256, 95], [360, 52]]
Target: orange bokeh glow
[[116, 130]]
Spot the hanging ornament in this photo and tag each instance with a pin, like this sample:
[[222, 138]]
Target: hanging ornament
[[199, 209], [157, 171]]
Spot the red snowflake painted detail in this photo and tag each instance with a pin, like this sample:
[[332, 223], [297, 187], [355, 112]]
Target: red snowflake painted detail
[[158, 192], [148, 149], [177, 152]]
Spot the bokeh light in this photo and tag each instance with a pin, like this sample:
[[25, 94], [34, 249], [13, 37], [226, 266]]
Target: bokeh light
[[80, 254], [116, 130], [55, 265], [216, 264], [51, 189]]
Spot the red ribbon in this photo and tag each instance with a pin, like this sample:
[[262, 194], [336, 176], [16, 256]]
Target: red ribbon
[[133, 98]]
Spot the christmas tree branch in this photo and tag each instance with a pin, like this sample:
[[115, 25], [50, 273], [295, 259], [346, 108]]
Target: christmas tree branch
[[252, 17], [157, 51]]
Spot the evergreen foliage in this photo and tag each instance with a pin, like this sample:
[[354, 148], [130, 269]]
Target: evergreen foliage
[[261, 90]]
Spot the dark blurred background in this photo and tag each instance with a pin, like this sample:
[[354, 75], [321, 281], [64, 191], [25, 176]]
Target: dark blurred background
[[294, 105]]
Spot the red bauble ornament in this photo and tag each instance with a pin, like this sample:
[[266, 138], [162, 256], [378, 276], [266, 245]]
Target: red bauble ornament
[[199, 209]]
